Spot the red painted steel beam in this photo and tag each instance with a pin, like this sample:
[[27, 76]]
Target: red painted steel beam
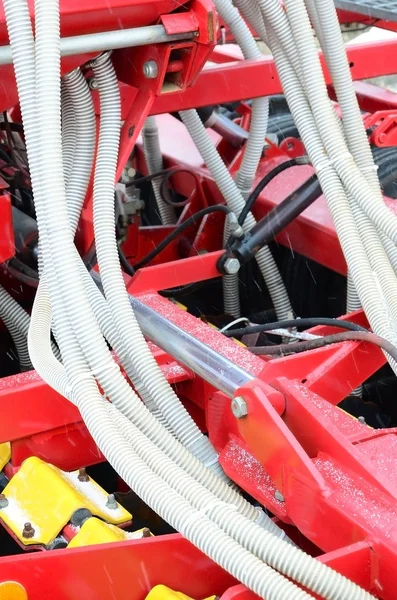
[[241, 80]]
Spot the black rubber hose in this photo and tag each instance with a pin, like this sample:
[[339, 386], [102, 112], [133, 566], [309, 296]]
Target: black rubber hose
[[355, 336], [294, 162], [178, 230], [289, 323]]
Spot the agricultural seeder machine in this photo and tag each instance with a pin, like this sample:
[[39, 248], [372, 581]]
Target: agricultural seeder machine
[[198, 300]]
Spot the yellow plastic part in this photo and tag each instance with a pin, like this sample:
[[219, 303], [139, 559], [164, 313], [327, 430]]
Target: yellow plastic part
[[46, 497], [10, 590], [95, 531], [160, 592], [5, 454]]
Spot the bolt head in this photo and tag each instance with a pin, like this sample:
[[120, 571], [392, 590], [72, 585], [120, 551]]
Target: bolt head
[[28, 531], [3, 501], [112, 502], [93, 83], [231, 266], [82, 476], [150, 69], [239, 407], [278, 496]]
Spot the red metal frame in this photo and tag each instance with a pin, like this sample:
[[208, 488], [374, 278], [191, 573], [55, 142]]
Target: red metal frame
[[337, 476]]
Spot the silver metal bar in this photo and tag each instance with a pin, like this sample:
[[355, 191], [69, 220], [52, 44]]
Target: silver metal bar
[[214, 368], [218, 370], [108, 40]]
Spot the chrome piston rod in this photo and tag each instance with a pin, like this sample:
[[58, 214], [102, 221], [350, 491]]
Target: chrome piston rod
[[214, 368]]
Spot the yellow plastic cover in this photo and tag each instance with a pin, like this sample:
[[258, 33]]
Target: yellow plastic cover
[[160, 592], [95, 531], [46, 497], [5, 454]]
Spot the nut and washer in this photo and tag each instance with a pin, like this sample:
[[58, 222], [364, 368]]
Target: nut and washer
[[239, 407], [231, 266], [150, 69], [28, 531], [3, 501], [82, 476], [112, 502]]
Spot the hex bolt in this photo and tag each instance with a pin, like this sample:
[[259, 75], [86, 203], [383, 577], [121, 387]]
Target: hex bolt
[[82, 476], [150, 69], [362, 420], [239, 407], [112, 502], [146, 532], [3, 501], [28, 531], [278, 496], [231, 266], [93, 83]]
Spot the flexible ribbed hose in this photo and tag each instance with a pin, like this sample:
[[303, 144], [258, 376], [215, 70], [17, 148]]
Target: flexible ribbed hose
[[154, 163], [230, 284], [16, 320], [235, 201], [252, 14], [83, 108], [249, 165], [68, 132], [149, 379]]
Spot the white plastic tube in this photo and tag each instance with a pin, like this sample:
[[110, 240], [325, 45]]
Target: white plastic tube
[[154, 162], [16, 320], [235, 201], [158, 394], [68, 132], [84, 149]]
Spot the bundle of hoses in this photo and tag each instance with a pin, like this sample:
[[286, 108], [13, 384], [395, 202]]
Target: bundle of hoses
[[339, 151], [158, 451]]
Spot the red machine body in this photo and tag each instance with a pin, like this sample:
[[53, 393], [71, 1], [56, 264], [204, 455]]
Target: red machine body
[[336, 476]]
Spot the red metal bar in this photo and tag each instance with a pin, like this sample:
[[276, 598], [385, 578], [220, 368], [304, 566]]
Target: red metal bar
[[241, 80]]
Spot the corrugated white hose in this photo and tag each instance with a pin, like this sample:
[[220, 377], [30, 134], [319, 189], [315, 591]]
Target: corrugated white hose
[[252, 152], [364, 279], [154, 162], [315, 87], [15, 319], [158, 392], [252, 14], [235, 201], [77, 101], [338, 153], [230, 285], [68, 132], [83, 108]]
